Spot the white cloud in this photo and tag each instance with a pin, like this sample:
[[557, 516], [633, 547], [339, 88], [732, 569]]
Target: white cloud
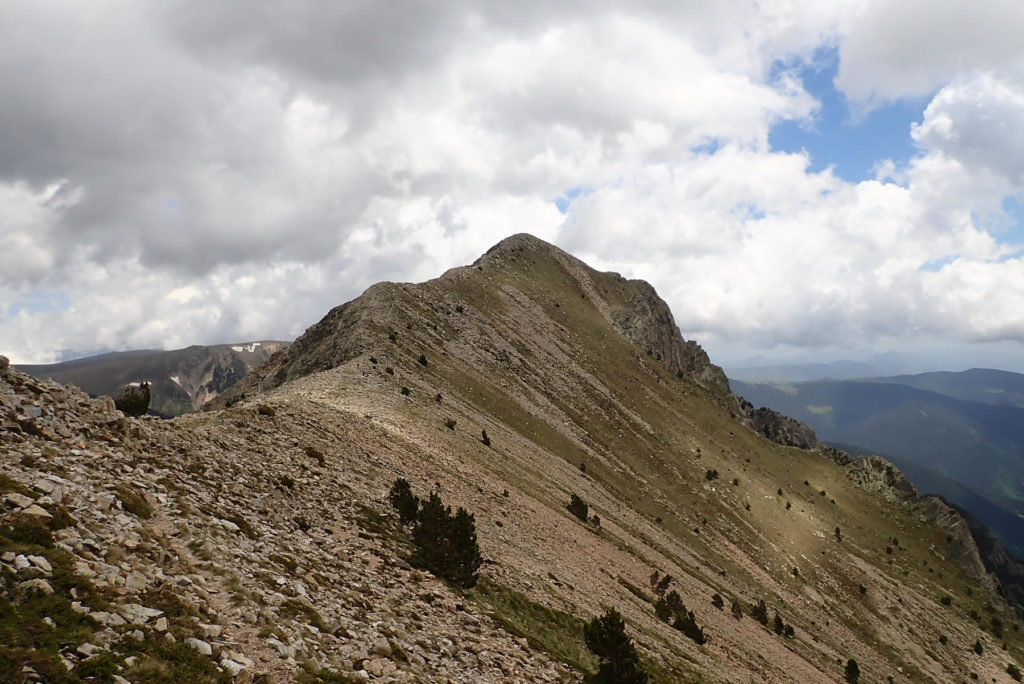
[[230, 171], [890, 50], [977, 121]]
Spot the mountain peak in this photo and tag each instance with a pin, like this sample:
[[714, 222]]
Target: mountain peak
[[519, 287]]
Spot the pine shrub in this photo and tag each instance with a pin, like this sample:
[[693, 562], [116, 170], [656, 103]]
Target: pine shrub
[[578, 507], [404, 501], [446, 544], [686, 623], [760, 612], [852, 671], [134, 400], [606, 638]]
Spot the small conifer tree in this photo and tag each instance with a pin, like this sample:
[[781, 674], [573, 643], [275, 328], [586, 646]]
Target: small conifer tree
[[760, 612], [852, 671], [578, 507], [606, 638], [446, 545], [403, 501], [134, 400], [686, 623]]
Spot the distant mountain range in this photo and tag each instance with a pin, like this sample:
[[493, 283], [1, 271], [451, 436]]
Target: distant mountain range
[[181, 381], [960, 435], [760, 369]]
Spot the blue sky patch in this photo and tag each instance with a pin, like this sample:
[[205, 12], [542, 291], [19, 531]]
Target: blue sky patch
[[852, 145], [39, 302], [568, 196], [938, 264], [1014, 232]]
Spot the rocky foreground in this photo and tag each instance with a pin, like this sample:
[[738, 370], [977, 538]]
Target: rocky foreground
[[184, 552]]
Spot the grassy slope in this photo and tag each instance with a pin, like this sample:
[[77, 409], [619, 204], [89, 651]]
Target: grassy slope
[[979, 445], [536, 364]]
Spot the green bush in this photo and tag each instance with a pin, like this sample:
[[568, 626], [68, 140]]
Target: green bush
[[1013, 671], [578, 507], [403, 501], [760, 612], [446, 544], [686, 623], [852, 671], [134, 400], [606, 638]]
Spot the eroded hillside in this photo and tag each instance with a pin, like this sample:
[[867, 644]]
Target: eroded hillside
[[267, 521], [181, 380]]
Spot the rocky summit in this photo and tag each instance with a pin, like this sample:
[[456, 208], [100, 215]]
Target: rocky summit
[[256, 542]]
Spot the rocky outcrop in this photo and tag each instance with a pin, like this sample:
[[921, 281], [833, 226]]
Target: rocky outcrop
[[875, 473], [960, 544], [646, 320], [1007, 569], [782, 429]]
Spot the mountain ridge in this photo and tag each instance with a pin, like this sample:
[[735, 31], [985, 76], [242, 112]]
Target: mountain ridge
[[278, 502], [181, 380]]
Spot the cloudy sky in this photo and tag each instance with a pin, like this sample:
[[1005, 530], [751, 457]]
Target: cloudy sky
[[793, 176]]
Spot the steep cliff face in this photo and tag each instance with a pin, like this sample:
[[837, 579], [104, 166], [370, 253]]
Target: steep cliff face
[[1008, 570], [645, 319], [960, 545], [875, 474]]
